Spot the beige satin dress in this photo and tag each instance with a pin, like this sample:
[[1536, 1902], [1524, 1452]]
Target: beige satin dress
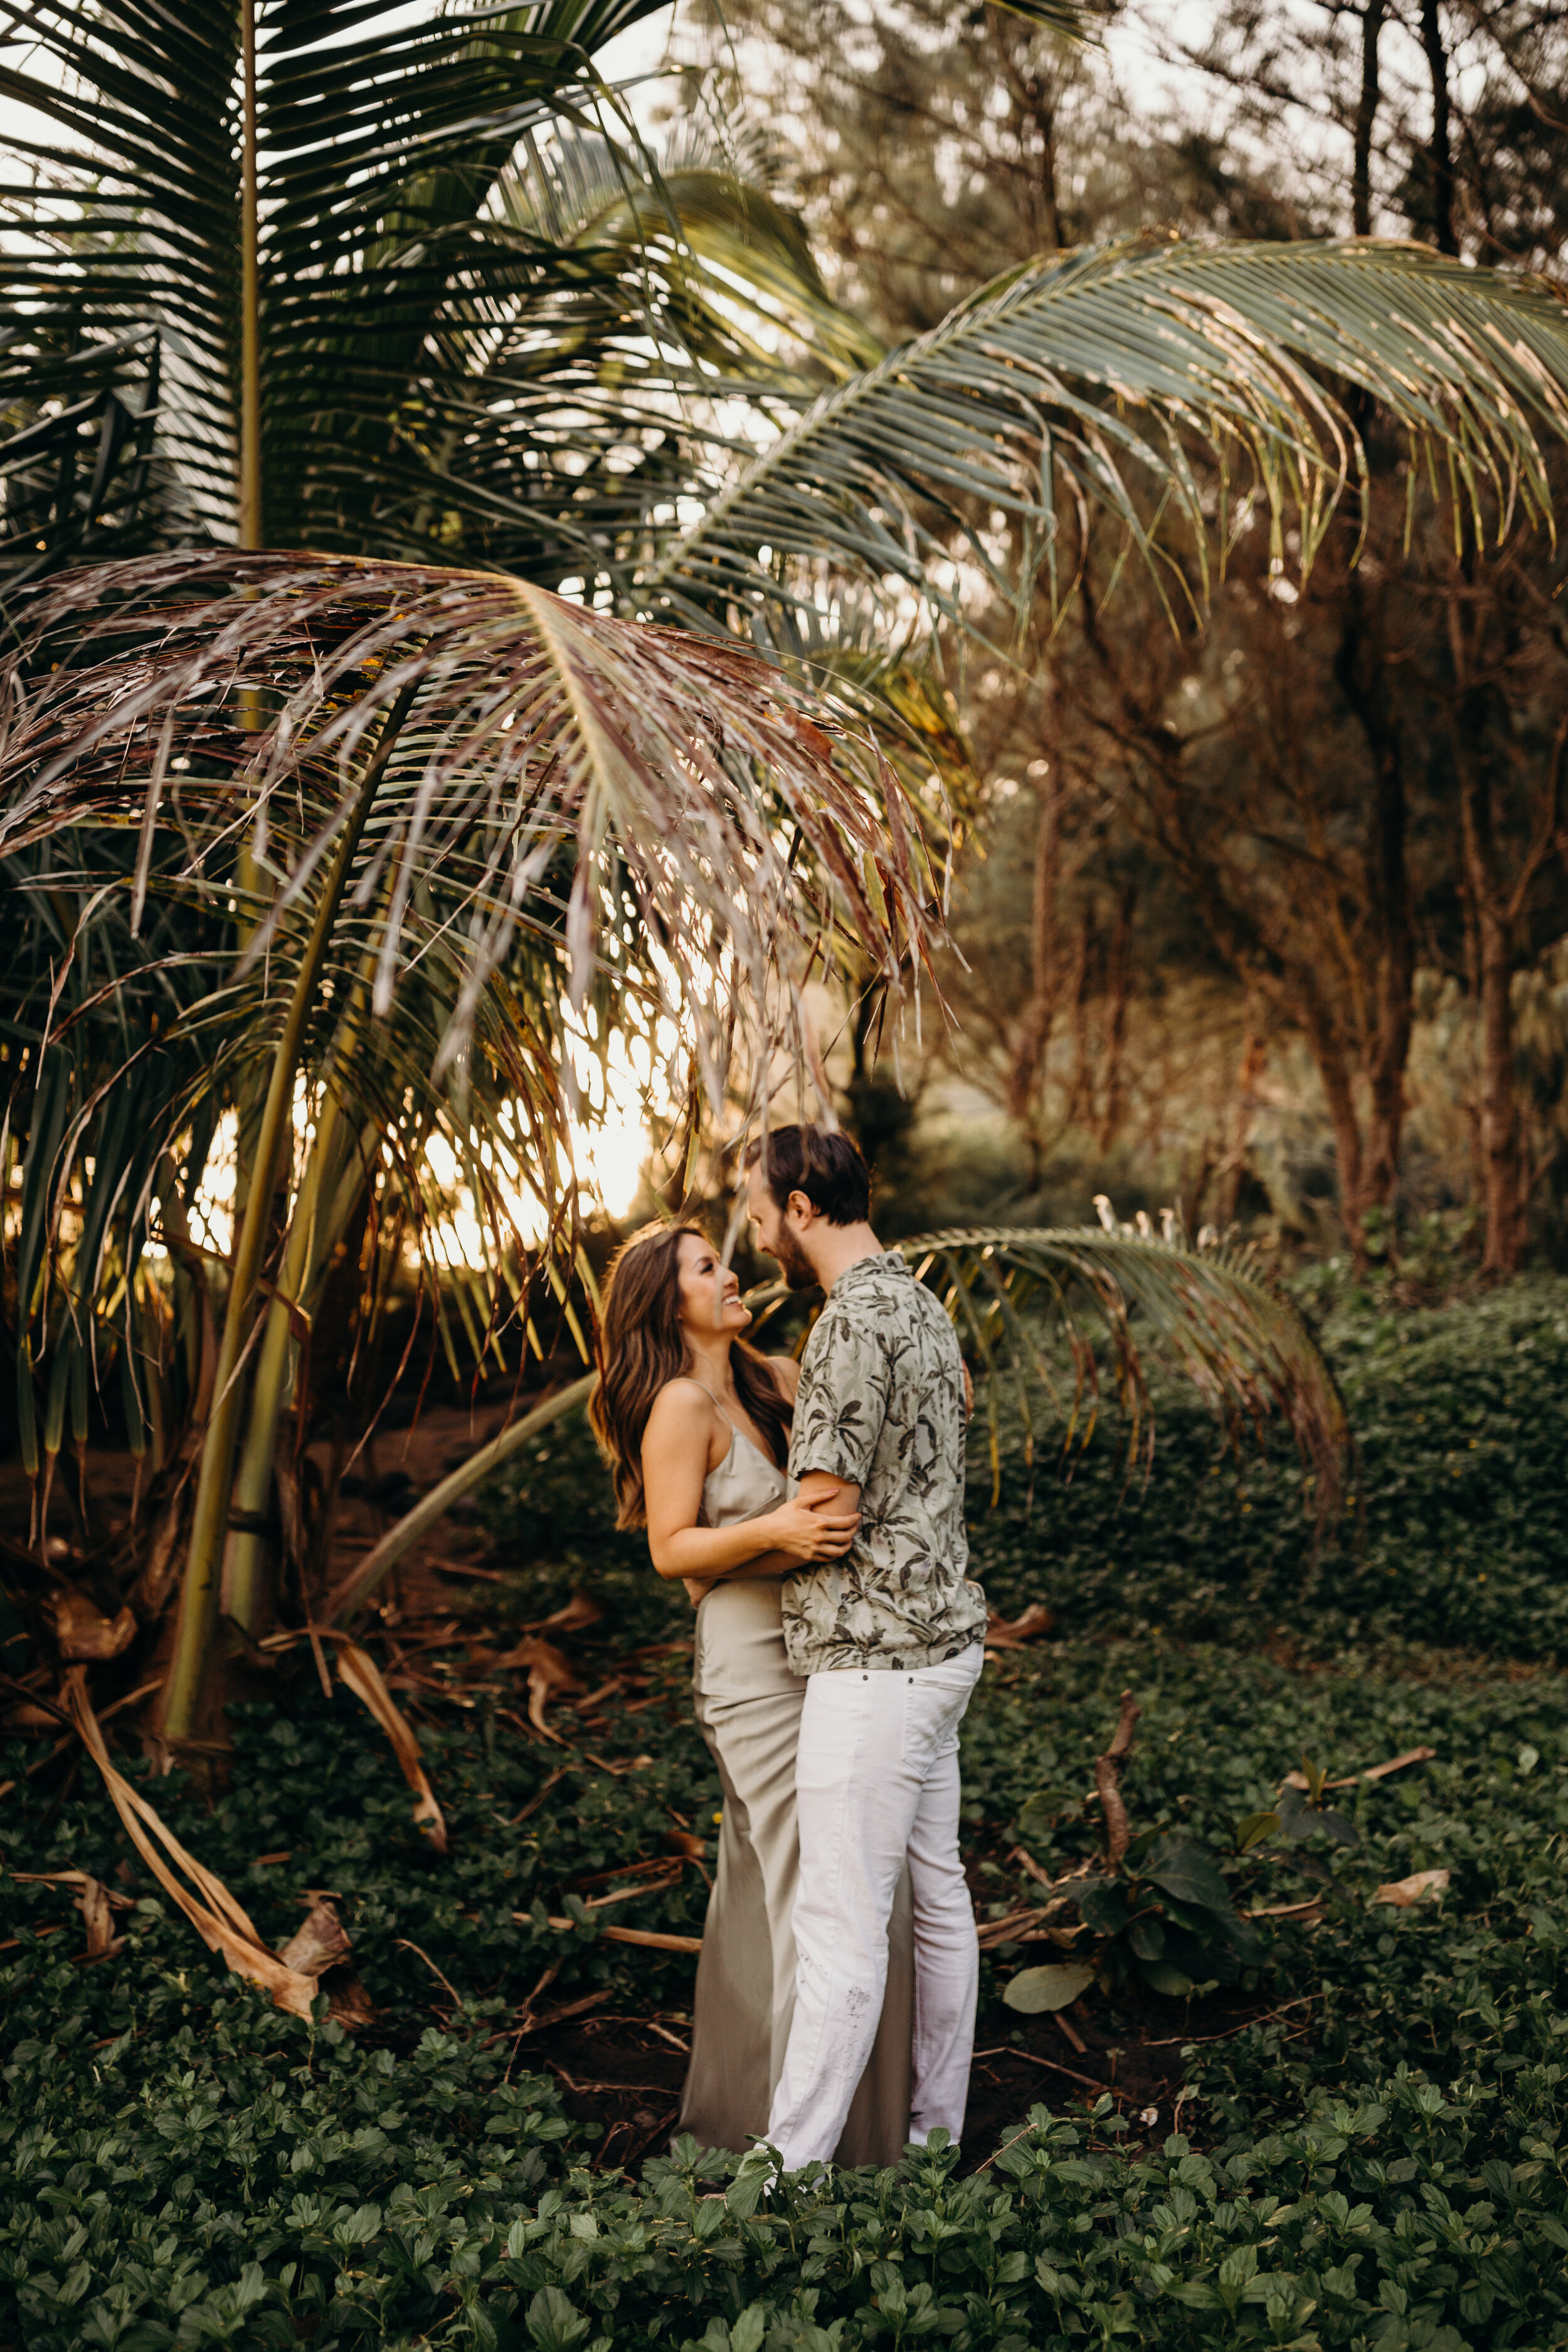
[[748, 1708]]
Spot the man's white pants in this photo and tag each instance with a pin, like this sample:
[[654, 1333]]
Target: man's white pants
[[877, 1784]]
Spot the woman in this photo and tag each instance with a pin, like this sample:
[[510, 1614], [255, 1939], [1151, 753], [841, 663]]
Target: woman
[[696, 1430]]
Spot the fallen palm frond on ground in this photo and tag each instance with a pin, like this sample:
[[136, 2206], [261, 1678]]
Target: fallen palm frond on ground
[[223, 1924]]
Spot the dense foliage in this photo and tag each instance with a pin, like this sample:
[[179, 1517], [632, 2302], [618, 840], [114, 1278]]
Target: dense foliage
[[1459, 1523], [1375, 2158]]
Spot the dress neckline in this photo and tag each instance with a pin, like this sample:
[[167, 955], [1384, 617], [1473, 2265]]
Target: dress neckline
[[735, 1431]]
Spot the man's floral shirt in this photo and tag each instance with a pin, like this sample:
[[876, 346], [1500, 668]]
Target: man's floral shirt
[[881, 1405]]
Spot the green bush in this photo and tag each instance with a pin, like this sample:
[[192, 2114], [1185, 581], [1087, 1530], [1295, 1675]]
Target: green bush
[[1459, 1525]]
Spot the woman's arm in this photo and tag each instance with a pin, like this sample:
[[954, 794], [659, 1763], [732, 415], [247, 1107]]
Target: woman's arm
[[675, 1452], [829, 1500]]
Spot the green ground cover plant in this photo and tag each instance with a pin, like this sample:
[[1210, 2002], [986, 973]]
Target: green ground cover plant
[[1375, 2158]]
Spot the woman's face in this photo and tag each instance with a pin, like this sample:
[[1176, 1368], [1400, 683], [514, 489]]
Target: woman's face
[[710, 1293]]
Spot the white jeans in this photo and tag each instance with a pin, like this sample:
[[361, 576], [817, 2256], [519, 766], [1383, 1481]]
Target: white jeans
[[877, 1784]]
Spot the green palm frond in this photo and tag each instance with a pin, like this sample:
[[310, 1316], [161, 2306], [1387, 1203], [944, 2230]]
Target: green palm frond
[[1078, 381], [1243, 1347], [438, 310]]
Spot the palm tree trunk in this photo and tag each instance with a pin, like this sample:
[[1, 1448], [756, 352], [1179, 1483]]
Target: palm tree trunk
[[1029, 1057], [199, 1591]]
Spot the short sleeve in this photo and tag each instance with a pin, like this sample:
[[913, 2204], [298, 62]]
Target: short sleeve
[[842, 1400]]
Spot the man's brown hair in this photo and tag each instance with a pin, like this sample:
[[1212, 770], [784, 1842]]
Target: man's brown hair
[[822, 1164]]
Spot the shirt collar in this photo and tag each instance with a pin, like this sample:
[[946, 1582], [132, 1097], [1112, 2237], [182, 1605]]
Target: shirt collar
[[887, 1261]]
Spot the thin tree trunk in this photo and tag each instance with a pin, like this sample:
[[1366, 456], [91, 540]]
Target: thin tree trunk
[[1502, 1157], [1117, 984], [1254, 1054], [1360, 668], [1501, 1134], [1366, 117], [1441, 148], [1339, 1091], [1028, 1059], [1500, 1138]]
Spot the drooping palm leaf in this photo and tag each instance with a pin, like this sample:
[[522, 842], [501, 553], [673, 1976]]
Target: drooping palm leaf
[[582, 821], [1116, 1294], [1244, 1349], [554, 755], [1079, 378]]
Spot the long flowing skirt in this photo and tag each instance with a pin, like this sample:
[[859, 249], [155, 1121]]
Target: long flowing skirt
[[748, 1708]]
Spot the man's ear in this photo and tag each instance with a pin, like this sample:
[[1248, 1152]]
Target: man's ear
[[800, 1205]]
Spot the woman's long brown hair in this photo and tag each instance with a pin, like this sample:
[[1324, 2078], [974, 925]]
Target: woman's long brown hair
[[641, 1348]]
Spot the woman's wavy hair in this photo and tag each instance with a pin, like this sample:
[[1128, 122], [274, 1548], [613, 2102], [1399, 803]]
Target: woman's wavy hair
[[641, 1348]]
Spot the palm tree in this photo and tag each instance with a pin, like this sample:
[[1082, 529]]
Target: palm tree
[[482, 818]]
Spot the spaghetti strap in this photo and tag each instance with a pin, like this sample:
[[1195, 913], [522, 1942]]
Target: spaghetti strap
[[717, 1402]]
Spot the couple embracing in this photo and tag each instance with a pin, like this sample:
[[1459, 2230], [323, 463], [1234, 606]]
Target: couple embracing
[[815, 1514]]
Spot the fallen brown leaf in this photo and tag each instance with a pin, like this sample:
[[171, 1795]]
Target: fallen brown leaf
[[81, 1630], [1032, 1924], [321, 1944], [363, 1676], [1008, 1632], [28, 1721], [579, 1611], [223, 1924], [1404, 1891], [94, 1900], [320, 1948], [549, 1673], [651, 1940]]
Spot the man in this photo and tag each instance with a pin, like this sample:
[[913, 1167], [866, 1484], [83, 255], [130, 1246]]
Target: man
[[890, 1641]]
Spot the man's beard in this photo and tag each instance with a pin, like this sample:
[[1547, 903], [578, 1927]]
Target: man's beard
[[798, 1272]]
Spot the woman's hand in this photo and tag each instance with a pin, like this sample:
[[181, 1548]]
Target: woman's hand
[[807, 1534]]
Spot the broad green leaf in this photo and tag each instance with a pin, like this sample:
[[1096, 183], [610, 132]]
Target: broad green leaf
[[1032, 1991], [555, 2323], [1161, 1976], [1186, 1869], [1044, 1808]]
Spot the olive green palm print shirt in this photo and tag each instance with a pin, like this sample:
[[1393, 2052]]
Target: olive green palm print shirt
[[882, 1406]]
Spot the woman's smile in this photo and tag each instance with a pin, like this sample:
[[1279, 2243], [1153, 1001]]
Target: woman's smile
[[709, 1292]]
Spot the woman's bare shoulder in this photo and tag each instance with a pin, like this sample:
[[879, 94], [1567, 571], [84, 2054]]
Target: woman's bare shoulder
[[787, 1372], [681, 1405]]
